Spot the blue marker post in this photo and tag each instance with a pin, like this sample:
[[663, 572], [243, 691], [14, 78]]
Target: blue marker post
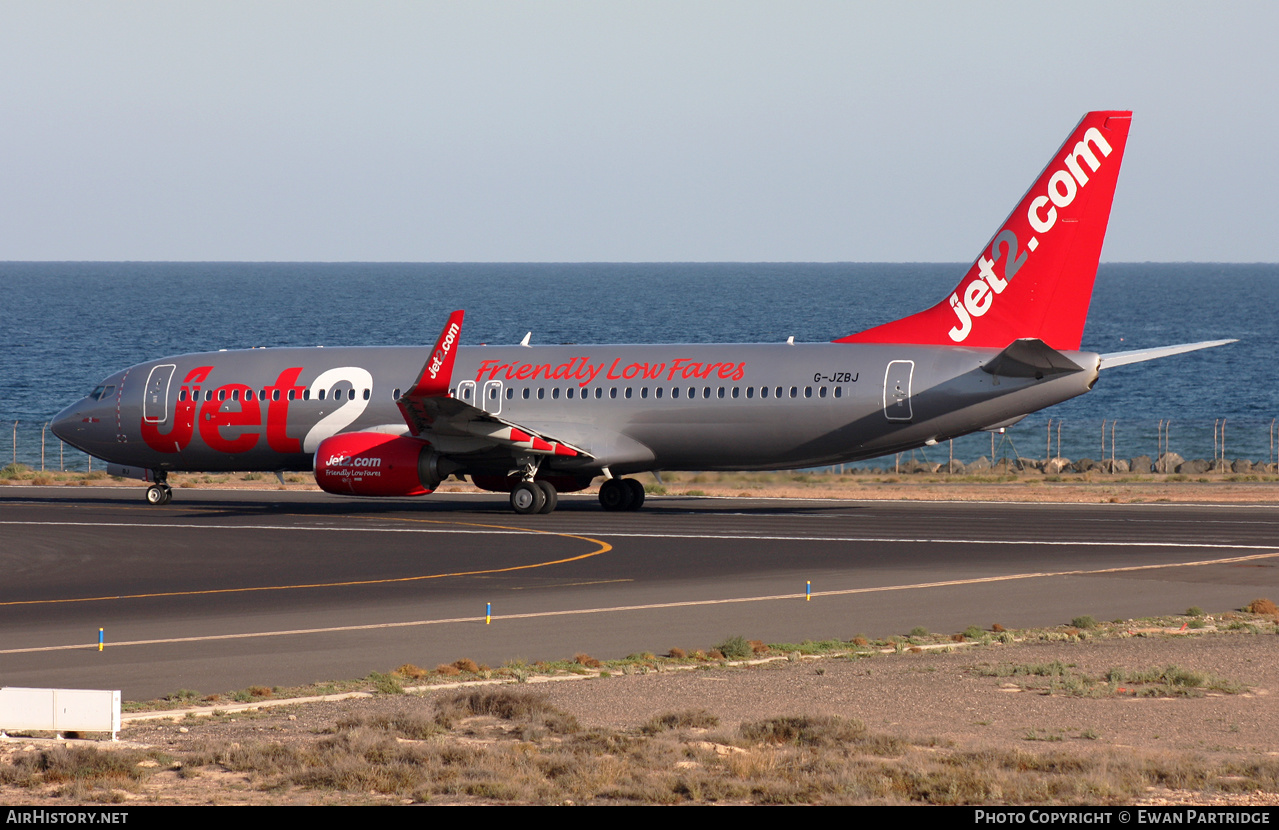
[[808, 590], [488, 612], [99, 639]]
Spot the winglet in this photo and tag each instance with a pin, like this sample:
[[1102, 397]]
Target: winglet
[[1051, 243], [437, 372]]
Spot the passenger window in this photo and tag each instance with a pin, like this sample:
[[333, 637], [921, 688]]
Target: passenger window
[[275, 394], [555, 393], [737, 392], [319, 395], [658, 391], [293, 395], [763, 391], [779, 391], [569, 392], [674, 391], [721, 391], [808, 391], [750, 391], [235, 394], [643, 391], [395, 396], [706, 393], [821, 393], [182, 395], [628, 391], [541, 392], [306, 394], [366, 394], [222, 394], [794, 391], [612, 392], [839, 391], [599, 392], [525, 393], [510, 393]]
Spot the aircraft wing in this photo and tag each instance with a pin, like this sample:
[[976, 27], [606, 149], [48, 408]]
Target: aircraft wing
[[431, 412], [1113, 359]]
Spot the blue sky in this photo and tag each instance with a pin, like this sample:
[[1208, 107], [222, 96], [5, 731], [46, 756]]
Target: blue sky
[[620, 131]]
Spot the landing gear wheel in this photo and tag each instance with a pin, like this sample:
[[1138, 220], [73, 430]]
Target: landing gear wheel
[[615, 494], [551, 494], [637, 493], [168, 493], [527, 498], [158, 494]]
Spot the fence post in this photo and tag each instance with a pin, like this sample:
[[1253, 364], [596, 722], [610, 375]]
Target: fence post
[[42, 429], [1112, 443]]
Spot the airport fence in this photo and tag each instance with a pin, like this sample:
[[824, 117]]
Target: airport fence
[[1119, 439]]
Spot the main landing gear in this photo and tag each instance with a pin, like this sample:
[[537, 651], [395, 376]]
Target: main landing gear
[[621, 494], [534, 497], [160, 492]]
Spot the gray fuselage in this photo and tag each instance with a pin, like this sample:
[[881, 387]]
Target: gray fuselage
[[632, 408]]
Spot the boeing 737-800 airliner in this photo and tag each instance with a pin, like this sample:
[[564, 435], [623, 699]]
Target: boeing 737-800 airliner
[[536, 421]]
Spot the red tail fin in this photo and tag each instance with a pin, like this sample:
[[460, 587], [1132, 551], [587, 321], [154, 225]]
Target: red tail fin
[[1035, 277]]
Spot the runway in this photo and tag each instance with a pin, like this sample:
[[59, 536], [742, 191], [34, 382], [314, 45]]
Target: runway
[[225, 589]]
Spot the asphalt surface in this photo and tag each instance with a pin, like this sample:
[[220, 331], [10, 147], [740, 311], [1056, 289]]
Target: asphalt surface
[[220, 590]]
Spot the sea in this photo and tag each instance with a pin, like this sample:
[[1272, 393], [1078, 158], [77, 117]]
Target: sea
[[69, 324]]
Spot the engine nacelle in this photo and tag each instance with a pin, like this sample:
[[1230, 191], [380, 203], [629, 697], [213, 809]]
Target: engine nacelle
[[377, 464]]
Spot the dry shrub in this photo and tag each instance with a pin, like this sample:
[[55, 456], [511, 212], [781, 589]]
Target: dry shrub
[[689, 719], [260, 691], [957, 638], [405, 723], [997, 628], [507, 704], [586, 660], [804, 730], [411, 671], [758, 647], [678, 653], [860, 641], [467, 665], [448, 670], [1261, 606], [715, 654]]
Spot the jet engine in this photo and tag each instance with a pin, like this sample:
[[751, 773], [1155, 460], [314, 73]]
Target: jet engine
[[376, 464]]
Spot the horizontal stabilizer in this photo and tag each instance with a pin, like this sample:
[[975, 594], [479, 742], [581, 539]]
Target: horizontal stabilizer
[[1030, 358], [1113, 359]]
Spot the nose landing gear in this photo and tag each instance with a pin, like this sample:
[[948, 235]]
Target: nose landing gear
[[160, 492]]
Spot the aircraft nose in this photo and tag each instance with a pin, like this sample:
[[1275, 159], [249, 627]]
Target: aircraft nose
[[73, 424]]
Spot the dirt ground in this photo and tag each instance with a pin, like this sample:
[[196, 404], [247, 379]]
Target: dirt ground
[[944, 698]]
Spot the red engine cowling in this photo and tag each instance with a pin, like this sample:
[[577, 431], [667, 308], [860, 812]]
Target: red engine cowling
[[375, 464]]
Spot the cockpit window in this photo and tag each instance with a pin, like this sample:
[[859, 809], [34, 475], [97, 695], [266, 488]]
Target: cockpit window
[[102, 392]]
